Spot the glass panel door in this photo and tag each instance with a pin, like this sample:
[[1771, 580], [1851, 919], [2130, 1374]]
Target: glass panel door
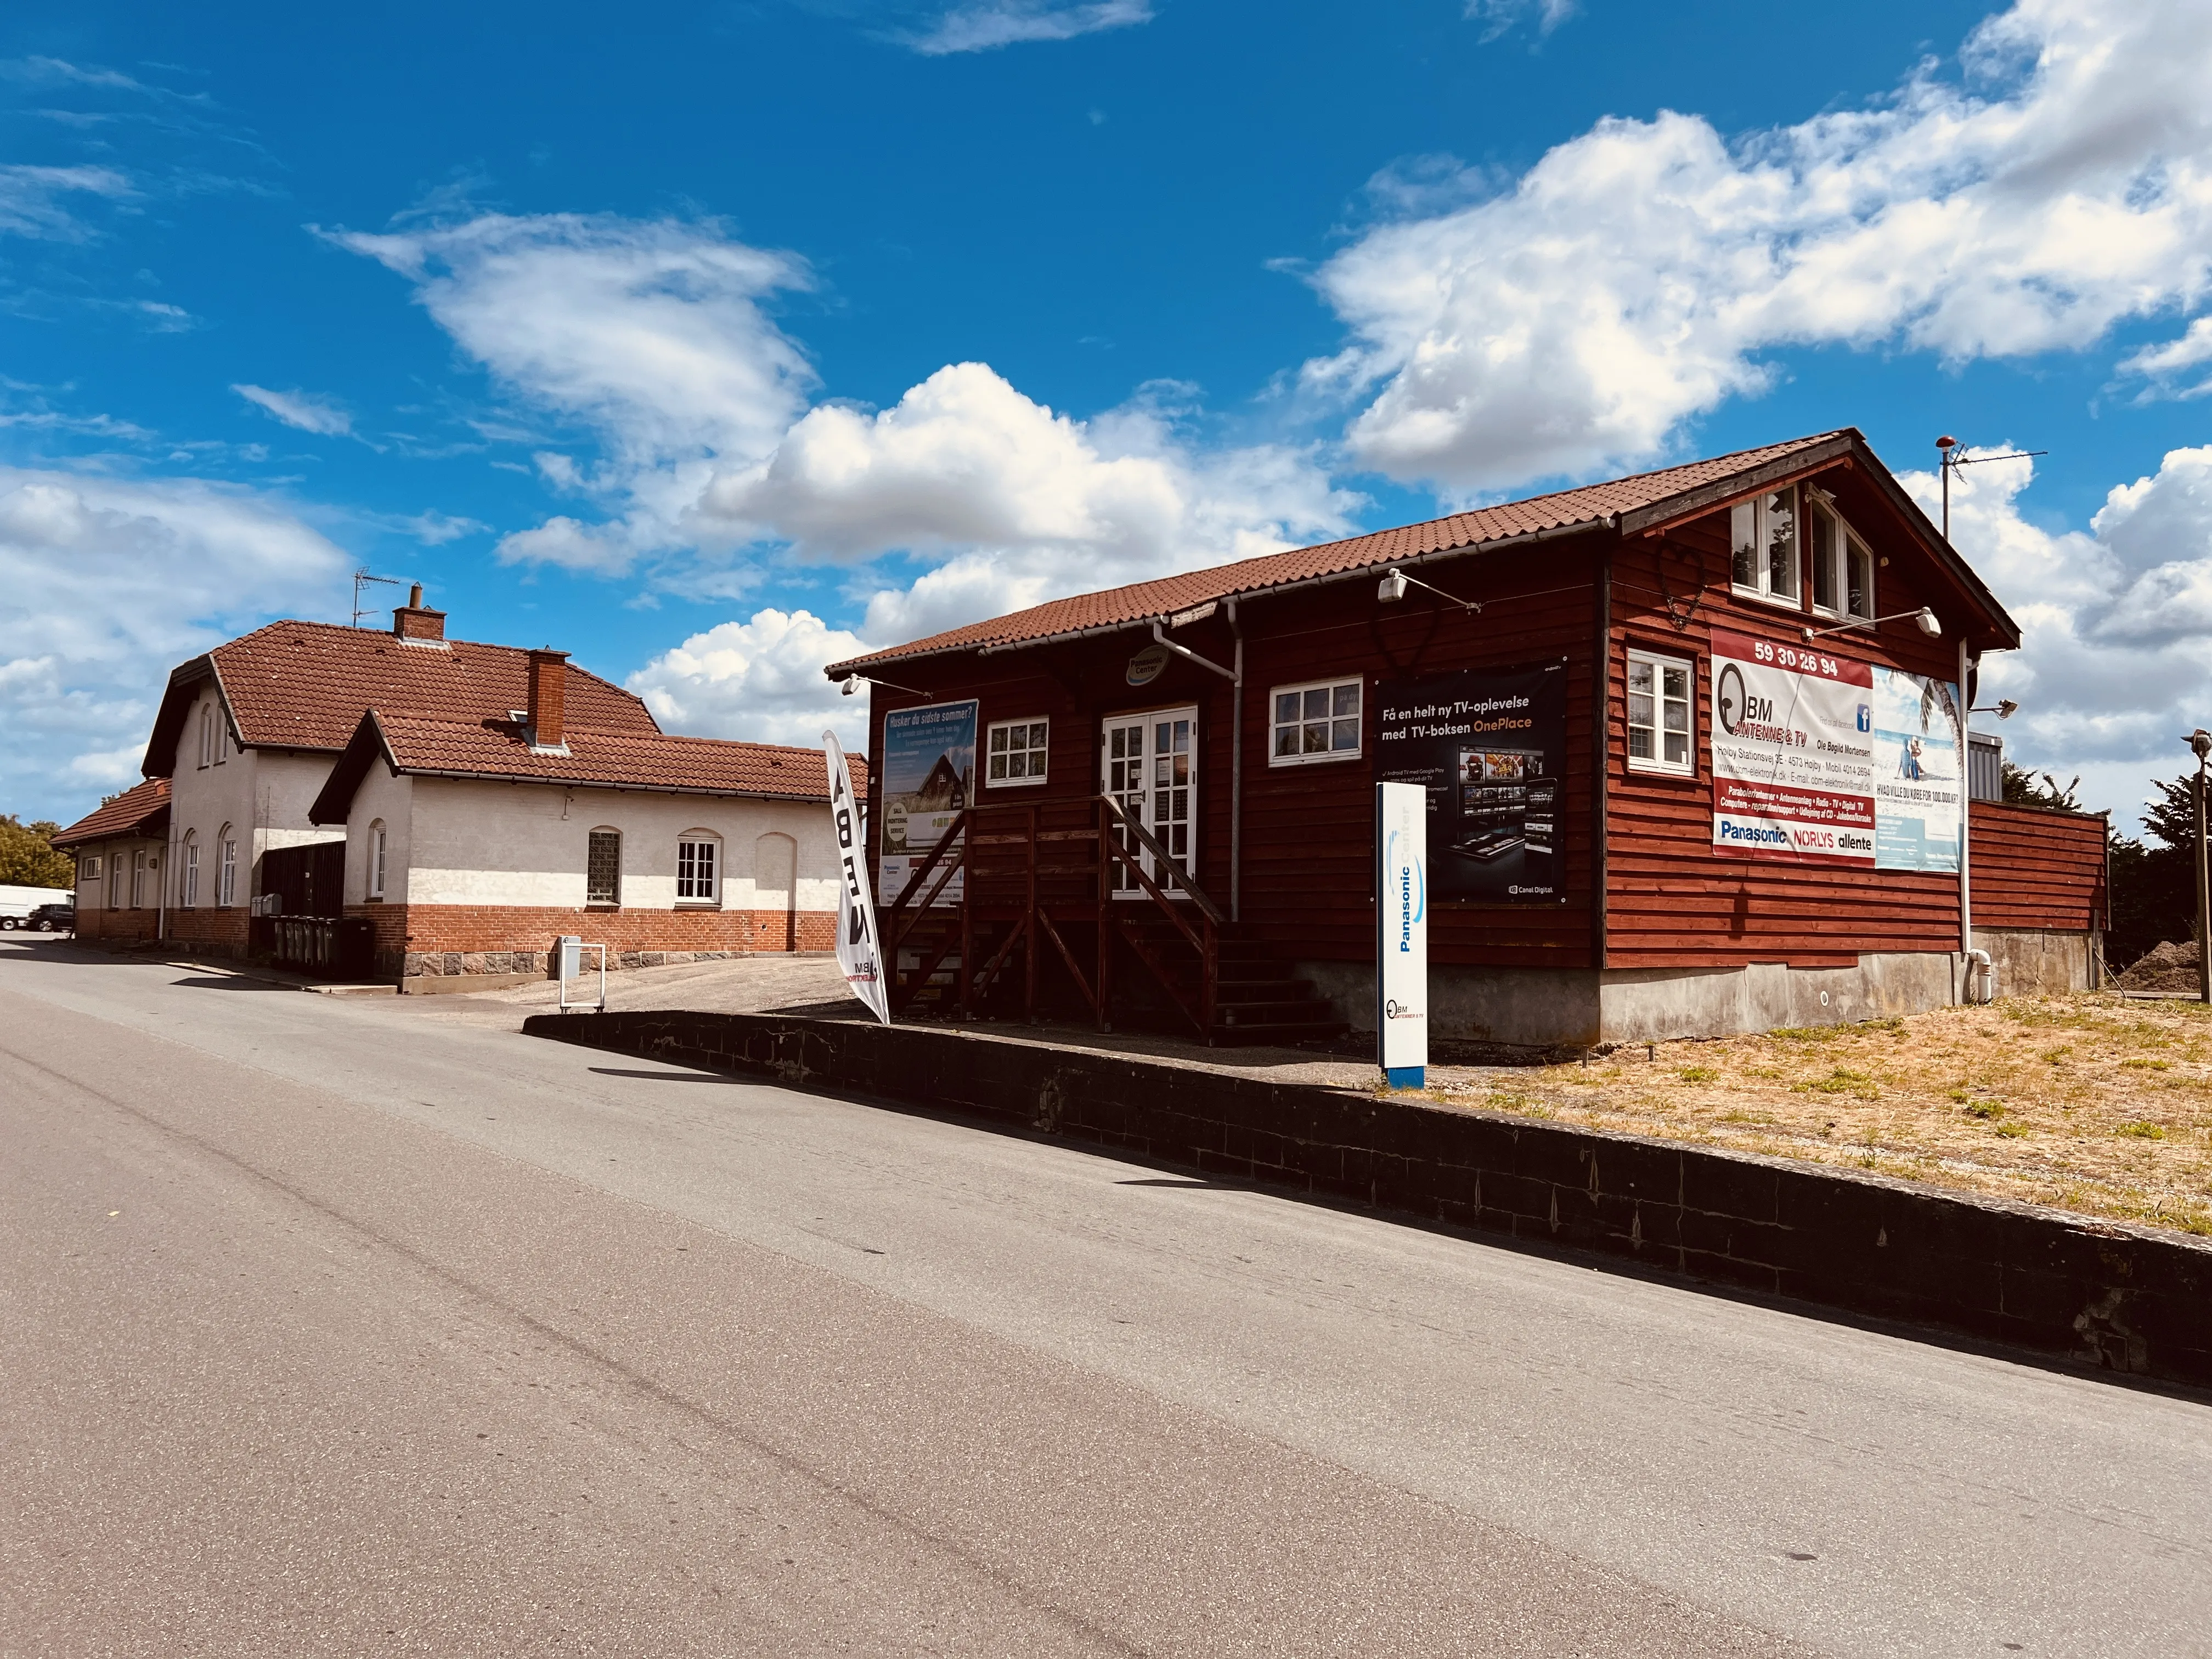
[[1150, 761]]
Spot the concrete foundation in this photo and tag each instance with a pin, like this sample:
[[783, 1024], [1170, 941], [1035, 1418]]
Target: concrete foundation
[[1583, 1008]]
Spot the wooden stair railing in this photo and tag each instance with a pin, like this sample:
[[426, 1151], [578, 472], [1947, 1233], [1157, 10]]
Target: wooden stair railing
[[977, 837]]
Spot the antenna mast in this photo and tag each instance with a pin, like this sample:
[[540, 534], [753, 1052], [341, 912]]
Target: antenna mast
[[1948, 447], [360, 580]]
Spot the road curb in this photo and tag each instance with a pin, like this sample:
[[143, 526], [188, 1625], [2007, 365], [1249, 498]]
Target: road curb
[[2135, 1300]]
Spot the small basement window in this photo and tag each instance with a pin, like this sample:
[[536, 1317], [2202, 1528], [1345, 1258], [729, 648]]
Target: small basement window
[[1316, 722], [1659, 695], [603, 868], [1017, 753], [1762, 546], [698, 858]]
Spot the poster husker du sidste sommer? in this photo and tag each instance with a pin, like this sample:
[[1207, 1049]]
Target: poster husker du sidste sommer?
[[1820, 757], [929, 778]]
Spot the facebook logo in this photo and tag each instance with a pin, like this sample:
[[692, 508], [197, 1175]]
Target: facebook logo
[[1865, 718]]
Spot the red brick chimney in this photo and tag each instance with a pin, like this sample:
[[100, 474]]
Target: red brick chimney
[[548, 686], [412, 622]]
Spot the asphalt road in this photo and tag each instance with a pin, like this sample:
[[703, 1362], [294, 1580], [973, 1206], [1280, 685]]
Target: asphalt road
[[371, 1326]]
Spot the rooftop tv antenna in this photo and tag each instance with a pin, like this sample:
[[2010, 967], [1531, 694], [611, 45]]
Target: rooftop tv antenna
[[1948, 447], [360, 580]]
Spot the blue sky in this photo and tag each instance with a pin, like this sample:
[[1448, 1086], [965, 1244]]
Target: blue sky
[[709, 342]]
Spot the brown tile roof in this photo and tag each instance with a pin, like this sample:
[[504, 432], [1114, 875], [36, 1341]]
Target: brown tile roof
[[596, 758], [1119, 607], [142, 810], [302, 684]]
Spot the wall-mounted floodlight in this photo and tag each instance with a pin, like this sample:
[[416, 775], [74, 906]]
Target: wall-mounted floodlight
[[2004, 710], [853, 682], [1391, 588], [1924, 619]]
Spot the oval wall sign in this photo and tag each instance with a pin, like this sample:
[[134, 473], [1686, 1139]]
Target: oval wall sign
[[1145, 667]]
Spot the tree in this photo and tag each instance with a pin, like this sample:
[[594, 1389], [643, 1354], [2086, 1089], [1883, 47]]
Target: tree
[[27, 857], [2154, 886], [2021, 789]]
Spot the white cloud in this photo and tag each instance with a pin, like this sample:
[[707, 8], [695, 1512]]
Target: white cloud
[[33, 199], [992, 23], [2164, 366], [650, 333], [2116, 664], [760, 679], [1631, 280], [1496, 16], [1020, 503], [118, 582], [307, 410]]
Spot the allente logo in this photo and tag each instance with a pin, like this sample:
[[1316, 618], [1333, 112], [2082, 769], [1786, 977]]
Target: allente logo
[[1737, 705]]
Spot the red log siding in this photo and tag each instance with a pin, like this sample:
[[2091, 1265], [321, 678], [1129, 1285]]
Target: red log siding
[[1671, 900], [2032, 868], [1309, 829]]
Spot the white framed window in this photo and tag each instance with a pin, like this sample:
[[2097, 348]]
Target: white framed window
[[1843, 565], [1661, 691], [226, 870], [602, 867], [699, 868], [1318, 721], [222, 735], [89, 870], [376, 841], [207, 735], [1762, 546], [191, 895], [1016, 750]]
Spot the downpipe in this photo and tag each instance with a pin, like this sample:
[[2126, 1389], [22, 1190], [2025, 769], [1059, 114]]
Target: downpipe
[[1981, 978]]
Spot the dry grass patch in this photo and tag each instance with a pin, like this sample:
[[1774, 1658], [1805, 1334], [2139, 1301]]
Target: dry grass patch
[[2089, 1103]]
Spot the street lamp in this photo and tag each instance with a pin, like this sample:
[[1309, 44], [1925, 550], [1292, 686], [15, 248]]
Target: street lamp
[[2200, 741]]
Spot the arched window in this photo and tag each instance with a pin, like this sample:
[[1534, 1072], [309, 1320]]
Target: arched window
[[376, 859], [190, 896], [602, 867], [699, 867], [225, 878], [775, 891], [207, 734]]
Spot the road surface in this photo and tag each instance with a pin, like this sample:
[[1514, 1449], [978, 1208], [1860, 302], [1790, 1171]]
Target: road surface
[[372, 1326]]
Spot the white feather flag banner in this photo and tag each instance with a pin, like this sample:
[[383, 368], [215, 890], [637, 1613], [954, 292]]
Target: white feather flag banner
[[858, 952]]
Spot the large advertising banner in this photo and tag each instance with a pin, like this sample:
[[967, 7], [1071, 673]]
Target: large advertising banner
[[1823, 759], [1490, 748], [1918, 787], [929, 777]]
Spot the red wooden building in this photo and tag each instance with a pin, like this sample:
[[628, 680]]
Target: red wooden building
[[1660, 722]]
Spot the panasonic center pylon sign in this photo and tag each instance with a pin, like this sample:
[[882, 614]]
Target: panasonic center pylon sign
[[1401, 932], [1822, 758]]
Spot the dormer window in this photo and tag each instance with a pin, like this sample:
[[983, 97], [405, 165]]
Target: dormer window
[[1762, 546], [1843, 566]]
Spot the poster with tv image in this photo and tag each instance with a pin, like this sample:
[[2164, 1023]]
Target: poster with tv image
[[929, 777], [1490, 747], [1919, 789]]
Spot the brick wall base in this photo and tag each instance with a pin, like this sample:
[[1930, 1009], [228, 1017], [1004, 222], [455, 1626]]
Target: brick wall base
[[117, 927], [418, 939], [211, 932]]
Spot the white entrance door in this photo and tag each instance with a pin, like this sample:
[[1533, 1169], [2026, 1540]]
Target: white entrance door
[[1148, 762]]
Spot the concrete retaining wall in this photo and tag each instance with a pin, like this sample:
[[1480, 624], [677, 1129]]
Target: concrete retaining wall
[[1577, 1008], [2133, 1299]]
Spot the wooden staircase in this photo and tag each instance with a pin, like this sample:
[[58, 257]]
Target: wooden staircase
[[1038, 896]]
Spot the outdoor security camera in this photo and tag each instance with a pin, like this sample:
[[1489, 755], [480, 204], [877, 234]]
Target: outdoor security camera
[[1925, 619], [1391, 588]]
